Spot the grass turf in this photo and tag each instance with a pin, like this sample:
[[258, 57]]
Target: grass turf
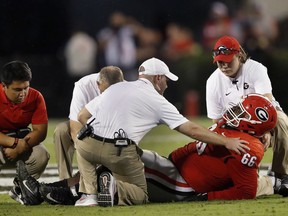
[[272, 205]]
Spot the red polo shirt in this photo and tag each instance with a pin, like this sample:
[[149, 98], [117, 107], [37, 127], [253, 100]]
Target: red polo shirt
[[15, 116]]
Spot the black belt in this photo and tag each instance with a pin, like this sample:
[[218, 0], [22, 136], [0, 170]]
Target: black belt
[[108, 140]]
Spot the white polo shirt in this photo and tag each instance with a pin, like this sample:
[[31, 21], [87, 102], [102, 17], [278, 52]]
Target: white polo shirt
[[222, 90], [84, 91], [136, 107]]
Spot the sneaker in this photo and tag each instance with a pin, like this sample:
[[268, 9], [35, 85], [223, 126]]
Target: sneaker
[[15, 193], [283, 190], [107, 189], [56, 195], [87, 200], [29, 186]]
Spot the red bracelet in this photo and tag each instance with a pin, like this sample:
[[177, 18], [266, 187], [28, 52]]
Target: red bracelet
[[15, 143]]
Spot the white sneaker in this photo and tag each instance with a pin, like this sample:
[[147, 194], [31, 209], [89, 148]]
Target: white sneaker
[[107, 185], [87, 200]]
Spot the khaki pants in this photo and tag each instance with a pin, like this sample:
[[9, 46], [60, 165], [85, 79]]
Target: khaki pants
[[127, 169], [264, 186], [279, 143], [36, 160], [64, 150]]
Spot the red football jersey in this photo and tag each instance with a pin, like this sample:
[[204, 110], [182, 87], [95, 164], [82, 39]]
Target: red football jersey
[[15, 116], [222, 173]]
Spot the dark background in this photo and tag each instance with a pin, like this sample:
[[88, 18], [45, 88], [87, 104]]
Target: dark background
[[36, 31], [43, 26]]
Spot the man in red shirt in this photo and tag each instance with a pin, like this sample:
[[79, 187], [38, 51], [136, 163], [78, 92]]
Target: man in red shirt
[[21, 106]]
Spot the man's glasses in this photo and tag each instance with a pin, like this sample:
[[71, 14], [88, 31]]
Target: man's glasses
[[223, 51]]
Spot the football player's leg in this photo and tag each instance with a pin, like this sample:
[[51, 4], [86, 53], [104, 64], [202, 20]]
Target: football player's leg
[[59, 195], [165, 184]]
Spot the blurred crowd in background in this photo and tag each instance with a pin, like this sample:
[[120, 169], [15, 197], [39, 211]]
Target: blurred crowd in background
[[62, 43]]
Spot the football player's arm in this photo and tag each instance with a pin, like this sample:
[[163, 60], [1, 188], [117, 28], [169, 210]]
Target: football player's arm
[[244, 182], [200, 133], [182, 152]]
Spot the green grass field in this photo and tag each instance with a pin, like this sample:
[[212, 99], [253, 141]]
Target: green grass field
[[260, 207], [162, 140]]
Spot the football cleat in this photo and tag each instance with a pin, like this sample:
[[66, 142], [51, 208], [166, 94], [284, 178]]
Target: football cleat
[[29, 186], [57, 195], [15, 193]]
